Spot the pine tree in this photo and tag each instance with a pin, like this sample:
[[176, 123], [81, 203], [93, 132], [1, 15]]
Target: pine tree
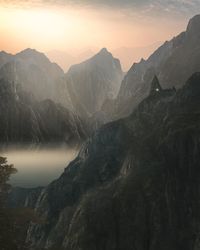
[[13, 221], [7, 237]]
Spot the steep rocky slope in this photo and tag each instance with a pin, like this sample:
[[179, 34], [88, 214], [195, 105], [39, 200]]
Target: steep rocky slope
[[134, 185], [5, 57], [35, 115], [92, 82], [36, 74], [82, 90], [174, 62], [23, 119]]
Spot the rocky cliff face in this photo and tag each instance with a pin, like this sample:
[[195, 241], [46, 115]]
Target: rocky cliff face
[[92, 82], [5, 57], [36, 75], [19, 197], [82, 90], [134, 185], [35, 85], [23, 119], [174, 62]]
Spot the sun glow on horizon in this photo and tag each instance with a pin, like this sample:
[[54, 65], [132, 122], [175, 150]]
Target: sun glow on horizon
[[79, 28], [70, 27], [38, 27]]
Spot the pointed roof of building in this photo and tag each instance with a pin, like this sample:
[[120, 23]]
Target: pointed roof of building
[[155, 85]]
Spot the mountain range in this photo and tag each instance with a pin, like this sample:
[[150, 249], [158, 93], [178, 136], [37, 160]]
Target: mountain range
[[46, 88], [135, 182], [127, 55], [174, 62], [96, 90], [33, 71]]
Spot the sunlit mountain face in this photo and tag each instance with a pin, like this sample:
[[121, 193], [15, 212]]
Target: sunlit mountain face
[[76, 27]]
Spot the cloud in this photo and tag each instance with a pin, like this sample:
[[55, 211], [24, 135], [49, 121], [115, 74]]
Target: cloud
[[175, 8]]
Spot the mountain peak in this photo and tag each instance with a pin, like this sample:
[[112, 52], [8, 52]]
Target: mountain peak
[[32, 53], [28, 51], [104, 53], [33, 56], [194, 25], [2, 52], [103, 50]]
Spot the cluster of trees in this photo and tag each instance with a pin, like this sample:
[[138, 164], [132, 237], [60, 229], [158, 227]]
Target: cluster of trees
[[7, 228], [13, 221]]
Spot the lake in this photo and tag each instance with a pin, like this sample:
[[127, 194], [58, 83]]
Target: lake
[[37, 165]]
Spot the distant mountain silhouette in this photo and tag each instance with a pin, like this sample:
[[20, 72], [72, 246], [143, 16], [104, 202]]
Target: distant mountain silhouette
[[51, 99], [83, 89], [126, 55], [130, 55], [36, 74], [93, 81], [65, 59]]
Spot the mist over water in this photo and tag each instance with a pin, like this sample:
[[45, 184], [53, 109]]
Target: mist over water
[[37, 165]]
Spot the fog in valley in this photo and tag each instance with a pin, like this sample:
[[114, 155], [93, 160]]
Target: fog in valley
[[38, 165]]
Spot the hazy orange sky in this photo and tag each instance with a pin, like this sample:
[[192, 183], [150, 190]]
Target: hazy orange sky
[[76, 25]]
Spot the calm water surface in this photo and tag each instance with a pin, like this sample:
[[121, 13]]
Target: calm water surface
[[37, 165]]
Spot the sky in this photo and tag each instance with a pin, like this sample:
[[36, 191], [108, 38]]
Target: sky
[[75, 26]]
